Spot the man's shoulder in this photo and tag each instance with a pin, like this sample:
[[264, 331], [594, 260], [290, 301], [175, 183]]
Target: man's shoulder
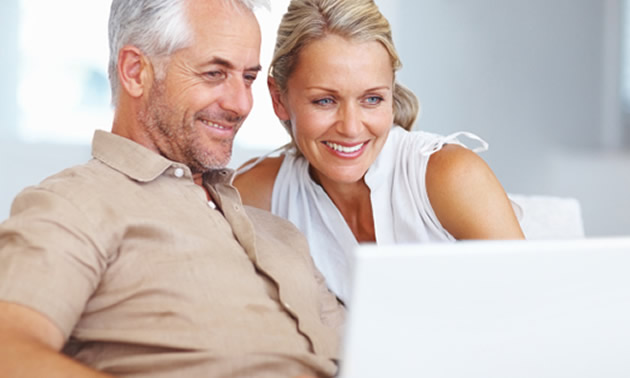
[[75, 186], [76, 178]]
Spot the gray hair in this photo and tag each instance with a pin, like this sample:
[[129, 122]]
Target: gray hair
[[157, 27]]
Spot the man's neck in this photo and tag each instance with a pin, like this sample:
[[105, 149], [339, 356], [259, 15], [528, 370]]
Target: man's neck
[[127, 124], [198, 179]]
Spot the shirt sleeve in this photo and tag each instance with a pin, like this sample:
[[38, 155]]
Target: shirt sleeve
[[49, 259]]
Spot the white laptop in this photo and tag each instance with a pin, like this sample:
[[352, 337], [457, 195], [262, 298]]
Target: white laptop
[[498, 309]]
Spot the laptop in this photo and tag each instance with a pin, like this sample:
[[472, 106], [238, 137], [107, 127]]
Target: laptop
[[491, 309]]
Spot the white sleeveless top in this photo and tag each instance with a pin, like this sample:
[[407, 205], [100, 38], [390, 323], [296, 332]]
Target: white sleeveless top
[[401, 207]]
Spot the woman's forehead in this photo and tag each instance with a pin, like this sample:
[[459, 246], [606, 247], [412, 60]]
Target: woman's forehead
[[333, 58]]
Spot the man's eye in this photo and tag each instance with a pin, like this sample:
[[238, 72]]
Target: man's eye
[[215, 75], [250, 78]]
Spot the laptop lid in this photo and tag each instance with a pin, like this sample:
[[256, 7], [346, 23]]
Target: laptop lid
[[490, 309]]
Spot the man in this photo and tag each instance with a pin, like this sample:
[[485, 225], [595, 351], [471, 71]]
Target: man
[[143, 262]]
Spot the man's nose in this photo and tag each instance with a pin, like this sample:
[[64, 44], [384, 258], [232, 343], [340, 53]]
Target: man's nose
[[237, 97]]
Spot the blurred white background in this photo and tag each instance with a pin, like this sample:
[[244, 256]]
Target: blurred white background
[[544, 82]]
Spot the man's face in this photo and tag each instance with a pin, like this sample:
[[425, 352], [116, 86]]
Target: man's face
[[194, 112]]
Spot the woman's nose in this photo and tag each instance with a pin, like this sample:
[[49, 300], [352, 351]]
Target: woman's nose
[[349, 123]]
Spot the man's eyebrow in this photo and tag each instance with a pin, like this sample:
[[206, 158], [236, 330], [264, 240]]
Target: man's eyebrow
[[255, 68], [227, 64]]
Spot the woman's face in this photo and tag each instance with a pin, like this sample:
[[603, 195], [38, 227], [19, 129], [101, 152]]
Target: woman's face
[[339, 100]]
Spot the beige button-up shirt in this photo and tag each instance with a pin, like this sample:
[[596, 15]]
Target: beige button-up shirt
[[146, 278]]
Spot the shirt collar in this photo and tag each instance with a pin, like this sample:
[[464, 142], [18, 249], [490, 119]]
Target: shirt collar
[[128, 157], [140, 163]]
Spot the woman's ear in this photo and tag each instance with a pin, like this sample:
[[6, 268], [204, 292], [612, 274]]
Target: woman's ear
[[134, 71], [277, 99]]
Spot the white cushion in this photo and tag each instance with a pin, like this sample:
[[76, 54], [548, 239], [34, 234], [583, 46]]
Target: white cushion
[[549, 217]]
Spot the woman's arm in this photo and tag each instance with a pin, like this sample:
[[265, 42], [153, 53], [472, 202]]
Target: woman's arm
[[467, 198], [256, 184]]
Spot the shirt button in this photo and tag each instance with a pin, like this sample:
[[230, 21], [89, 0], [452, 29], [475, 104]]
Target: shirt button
[[237, 207], [179, 173], [212, 205]]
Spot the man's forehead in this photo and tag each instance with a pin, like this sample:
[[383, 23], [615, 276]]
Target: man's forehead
[[226, 30]]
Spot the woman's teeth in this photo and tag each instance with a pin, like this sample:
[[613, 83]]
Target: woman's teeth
[[344, 149]]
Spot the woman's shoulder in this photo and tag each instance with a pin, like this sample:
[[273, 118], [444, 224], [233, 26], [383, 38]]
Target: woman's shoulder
[[256, 183], [466, 196], [453, 161]]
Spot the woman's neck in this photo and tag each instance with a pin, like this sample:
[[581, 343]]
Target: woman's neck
[[354, 203]]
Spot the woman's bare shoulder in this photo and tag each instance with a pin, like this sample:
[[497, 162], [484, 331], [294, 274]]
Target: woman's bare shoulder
[[256, 184], [451, 162], [467, 197]]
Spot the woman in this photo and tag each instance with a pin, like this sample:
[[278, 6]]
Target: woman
[[349, 176]]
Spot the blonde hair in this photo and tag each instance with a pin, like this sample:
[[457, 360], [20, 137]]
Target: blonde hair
[[309, 20]]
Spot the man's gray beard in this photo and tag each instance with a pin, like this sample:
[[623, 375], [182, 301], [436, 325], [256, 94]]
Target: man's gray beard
[[194, 156]]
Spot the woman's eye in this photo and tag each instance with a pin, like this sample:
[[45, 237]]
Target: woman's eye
[[323, 101], [374, 100]]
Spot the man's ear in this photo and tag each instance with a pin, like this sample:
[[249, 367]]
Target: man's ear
[[134, 71], [277, 100]]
